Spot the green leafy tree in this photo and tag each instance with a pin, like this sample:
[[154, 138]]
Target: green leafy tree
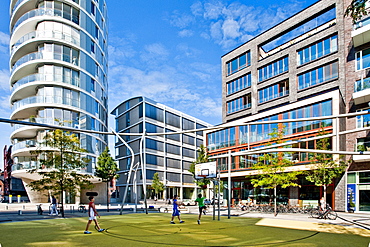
[[157, 185], [60, 160], [325, 168], [201, 158], [356, 10], [106, 170], [271, 168]]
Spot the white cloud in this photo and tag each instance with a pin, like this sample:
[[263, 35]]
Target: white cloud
[[186, 33], [4, 38], [180, 20], [4, 80], [229, 24]]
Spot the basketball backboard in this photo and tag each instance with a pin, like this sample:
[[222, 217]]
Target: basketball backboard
[[206, 170]]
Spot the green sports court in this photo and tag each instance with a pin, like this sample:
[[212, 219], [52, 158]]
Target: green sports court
[[155, 229]]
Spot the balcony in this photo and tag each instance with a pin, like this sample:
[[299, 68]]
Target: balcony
[[45, 100], [361, 147], [48, 34], [361, 32], [362, 91], [46, 12]]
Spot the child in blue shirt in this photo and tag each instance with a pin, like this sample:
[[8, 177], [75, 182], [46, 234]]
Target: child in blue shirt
[[176, 211]]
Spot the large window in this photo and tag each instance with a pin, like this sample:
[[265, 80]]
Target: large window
[[221, 139], [239, 84], [238, 63], [272, 92], [172, 149], [363, 59], [273, 69], [188, 152], [187, 124], [173, 119], [238, 104], [318, 75], [153, 144], [153, 112], [318, 50], [154, 160]]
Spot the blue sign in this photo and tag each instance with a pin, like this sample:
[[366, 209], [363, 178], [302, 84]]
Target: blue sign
[[351, 197]]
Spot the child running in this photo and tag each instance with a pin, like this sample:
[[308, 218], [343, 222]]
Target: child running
[[92, 216], [202, 207], [176, 211]]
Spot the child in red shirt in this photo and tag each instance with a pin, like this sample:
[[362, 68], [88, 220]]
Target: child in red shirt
[[92, 216]]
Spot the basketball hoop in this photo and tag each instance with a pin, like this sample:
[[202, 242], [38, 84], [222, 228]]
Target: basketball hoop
[[201, 176]]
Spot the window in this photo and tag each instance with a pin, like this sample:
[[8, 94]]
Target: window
[[174, 137], [318, 75], [272, 92], [273, 69], [153, 112], [188, 152], [239, 84], [188, 139], [363, 59], [221, 139], [238, 63], [173, 163], [92, 8], [238, 104], [318, 50], [92, 46], [153, 144], [172, 149], [187, 124]]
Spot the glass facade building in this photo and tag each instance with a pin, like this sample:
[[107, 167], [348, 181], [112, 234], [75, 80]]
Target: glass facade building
[[169, 155], [295, 71], [58, 68]]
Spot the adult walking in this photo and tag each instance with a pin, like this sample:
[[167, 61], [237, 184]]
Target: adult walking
[[54, 206]]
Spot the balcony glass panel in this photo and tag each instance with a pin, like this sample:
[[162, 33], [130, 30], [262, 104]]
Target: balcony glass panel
[[362, 84]]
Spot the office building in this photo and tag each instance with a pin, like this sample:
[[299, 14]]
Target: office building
[[58, 65], [168, 155], [305, 66]]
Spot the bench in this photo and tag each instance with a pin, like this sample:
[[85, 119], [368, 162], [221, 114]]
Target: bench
[[169, 210]]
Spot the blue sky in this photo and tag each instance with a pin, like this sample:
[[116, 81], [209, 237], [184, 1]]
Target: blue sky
[[168, 50]]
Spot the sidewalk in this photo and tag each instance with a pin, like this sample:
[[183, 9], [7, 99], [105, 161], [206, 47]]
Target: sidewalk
[[28, 211]]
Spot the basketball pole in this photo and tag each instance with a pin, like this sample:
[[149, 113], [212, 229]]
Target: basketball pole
[[219, 193], [229, 186]]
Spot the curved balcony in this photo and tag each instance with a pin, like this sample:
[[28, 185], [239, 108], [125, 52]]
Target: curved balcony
[[46, 12], [17, 4], [45, 100], [26, 165], [44, 55], [49, 34], [75, 81], [49, 121]]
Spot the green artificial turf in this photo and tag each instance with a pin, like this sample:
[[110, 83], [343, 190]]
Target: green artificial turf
[[154, 230]]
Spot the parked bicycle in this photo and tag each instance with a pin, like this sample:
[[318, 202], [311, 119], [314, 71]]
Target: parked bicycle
[[328, 213]]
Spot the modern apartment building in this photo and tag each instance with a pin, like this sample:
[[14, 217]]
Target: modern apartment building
[[58, 65], [305, 66], [168, 155], [357, 98]]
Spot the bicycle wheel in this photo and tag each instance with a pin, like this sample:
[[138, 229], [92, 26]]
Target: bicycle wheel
[[332, 215], [315, 214]]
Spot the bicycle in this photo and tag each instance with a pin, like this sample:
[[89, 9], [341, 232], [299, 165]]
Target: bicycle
[[328, 213]]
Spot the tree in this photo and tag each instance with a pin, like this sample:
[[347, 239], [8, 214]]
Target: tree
[[271, 168], [106, 170], [201, 158], [356, 10], [157, 184], [60, 159], [325, 168]]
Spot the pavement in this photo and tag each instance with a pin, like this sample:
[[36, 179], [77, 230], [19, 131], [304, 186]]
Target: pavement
[[356, 223]]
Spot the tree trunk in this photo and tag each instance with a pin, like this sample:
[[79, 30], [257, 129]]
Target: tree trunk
[[108, 196], [62, 203], [275, 206], [324, 191]]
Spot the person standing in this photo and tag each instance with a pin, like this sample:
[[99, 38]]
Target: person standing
[[54, 204], [92, 216], [322, 204], [176, 211], [202, 206]]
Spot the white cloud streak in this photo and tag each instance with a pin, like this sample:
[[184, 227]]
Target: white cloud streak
[[228, 25]]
